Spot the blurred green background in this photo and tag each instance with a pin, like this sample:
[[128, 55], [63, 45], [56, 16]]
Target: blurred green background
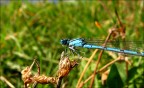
[[29, 30]]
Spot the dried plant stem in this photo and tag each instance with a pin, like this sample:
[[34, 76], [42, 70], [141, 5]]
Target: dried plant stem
[[65, 66], [7, 82], [107, 65], [59, 83], [99, 58], [89, 61], [101, 70], [38, 66]]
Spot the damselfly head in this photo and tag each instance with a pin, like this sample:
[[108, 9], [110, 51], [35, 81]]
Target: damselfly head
[[64, 41]]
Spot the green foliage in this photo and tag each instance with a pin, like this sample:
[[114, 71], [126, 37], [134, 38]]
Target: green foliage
[[29, 30], [114, 80]]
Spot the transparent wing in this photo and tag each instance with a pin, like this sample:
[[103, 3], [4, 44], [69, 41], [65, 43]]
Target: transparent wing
[[130, 45]]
